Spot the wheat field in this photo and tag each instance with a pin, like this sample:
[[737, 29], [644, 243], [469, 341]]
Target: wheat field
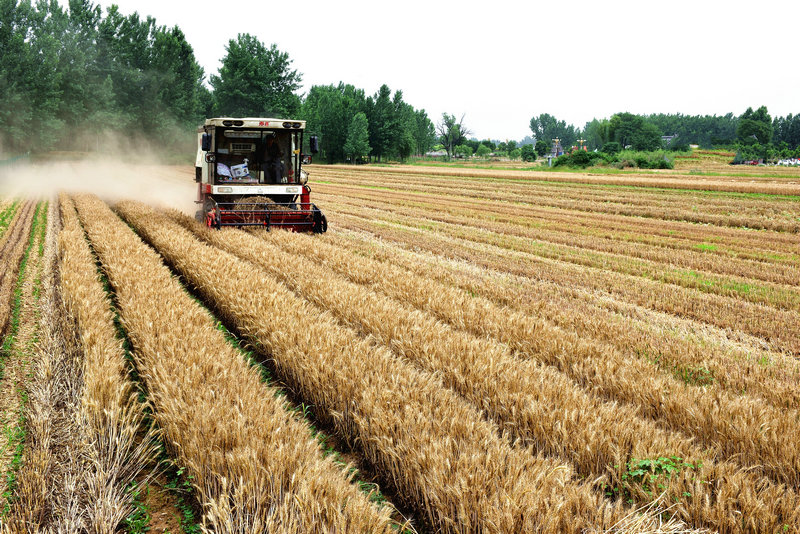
[[465, 350]]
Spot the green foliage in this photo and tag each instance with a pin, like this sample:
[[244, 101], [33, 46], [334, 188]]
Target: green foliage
[[545, 128], [483, 151], [626, 158], [452, 132], [652, 475], [755, 127], [464, 150], [528, 153], [357, 144], [397, 126], [138, 520], [256, 81], [596, 133], [541, 147], [612, 147], [69, 78], [634, 130], [580, 159]]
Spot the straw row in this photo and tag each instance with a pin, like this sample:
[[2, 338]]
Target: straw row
[[732, 183], [535, 402], [12, 247], [255, 466], [773, 285], [16, 385], [442, 457], [641, 200], [779, 327]]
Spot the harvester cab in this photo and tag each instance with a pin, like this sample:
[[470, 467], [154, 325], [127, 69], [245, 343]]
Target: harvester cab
[[249, 173]]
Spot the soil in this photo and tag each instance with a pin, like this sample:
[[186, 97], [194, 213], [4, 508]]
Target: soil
[[162, 505]]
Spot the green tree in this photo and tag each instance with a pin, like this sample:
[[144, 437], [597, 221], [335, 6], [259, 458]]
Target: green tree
[[541, 147], [424, 132], [382, 121], [329, 111], [528, 153], [464, 150], [545, 128], [256, 81], [596, 133], [754, 127], [629, 129], [357, 143], [451, 132], [483, 151]]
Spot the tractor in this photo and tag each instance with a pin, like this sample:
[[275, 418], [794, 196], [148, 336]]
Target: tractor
[[249, 173]]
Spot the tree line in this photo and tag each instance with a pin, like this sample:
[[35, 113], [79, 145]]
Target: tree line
[[754, 131], [73, 77]]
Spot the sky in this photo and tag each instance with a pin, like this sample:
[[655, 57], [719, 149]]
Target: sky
[[501, 64]]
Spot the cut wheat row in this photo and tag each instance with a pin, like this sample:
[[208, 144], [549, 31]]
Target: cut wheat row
[[683, 349], [536, 403], [50, 479], [753, 207], [516, 205], [660, 233], [15, 362], [440, 454], [761, 436], [12, 247], [770, 283], [256, 467], [583, 253], [769, 215], [733, 184], [779, 327]]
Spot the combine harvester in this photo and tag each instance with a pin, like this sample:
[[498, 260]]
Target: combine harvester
[[249, 173]]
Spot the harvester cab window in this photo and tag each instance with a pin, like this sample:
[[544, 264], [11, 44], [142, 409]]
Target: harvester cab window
[[235, 155]]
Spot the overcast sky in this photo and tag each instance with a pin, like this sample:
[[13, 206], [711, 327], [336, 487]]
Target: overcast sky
[[502, 63]]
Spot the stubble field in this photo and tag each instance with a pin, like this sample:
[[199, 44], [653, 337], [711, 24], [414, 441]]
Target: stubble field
[[494, 351]]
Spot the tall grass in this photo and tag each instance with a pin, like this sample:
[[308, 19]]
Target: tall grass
[[254, 465], [451, 465]]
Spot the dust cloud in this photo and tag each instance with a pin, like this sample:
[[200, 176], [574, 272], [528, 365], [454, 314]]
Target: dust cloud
[[112, 179]]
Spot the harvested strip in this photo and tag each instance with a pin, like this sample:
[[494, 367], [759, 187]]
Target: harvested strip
[[761, 436], [18, 352], [745, 184], [440, 454], [119, 446], [48, 490], [255, 466], [682, 346], [12, 247], [769, 284], [535, 402], [780, 328]]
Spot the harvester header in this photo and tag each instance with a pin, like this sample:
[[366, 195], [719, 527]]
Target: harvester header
[[249, 173]]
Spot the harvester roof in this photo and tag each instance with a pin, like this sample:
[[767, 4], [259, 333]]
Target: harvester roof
[[256, 122]]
